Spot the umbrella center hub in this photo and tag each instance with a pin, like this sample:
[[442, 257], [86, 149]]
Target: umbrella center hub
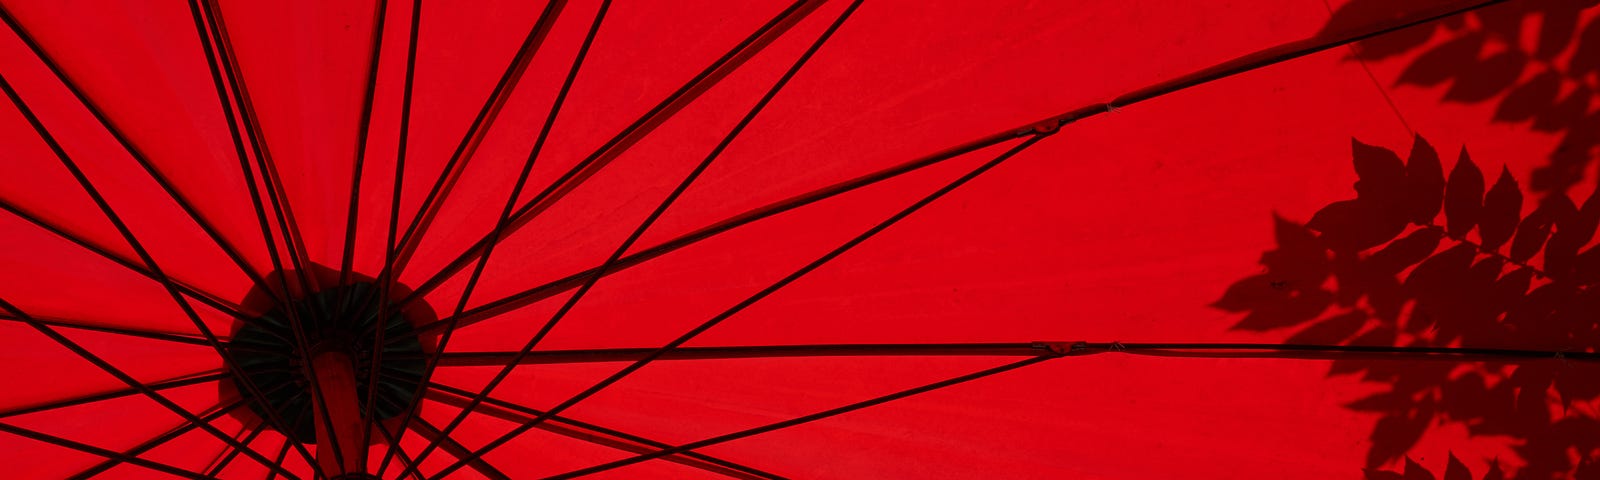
[[275, 353]]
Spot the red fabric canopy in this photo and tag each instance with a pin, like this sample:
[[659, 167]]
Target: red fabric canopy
[[808, 239]]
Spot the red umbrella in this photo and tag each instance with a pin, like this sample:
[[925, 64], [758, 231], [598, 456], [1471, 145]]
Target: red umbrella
[[810, 239]]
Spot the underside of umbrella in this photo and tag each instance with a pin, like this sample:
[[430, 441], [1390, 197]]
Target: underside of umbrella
[[800, 239]]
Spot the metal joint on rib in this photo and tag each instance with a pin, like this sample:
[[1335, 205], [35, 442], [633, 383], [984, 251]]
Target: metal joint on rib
[[1078, 348], [1062, 349], [1051, 125]]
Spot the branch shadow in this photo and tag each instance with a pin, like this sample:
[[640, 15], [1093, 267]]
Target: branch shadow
[[1424, 257], [1536, 59], [1420, 258]]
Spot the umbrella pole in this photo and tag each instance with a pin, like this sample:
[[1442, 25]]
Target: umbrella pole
[[336, 377]]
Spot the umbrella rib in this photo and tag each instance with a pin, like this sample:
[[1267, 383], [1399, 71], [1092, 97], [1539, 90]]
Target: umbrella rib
[[134, 151], [1290, 51], [97, 451], [1063, 349], [395, 444], [546, 357], [531, 44], [208, 299], [129, 332], [1259, 59], [598, 435], [380, 15], [286, 441], [666, 203], [641, 127], [215, 412], [806, 419], [1300, 351], [122, 229], [401, 148], [363, 130], [282, 211], [386, 274], [452, 447], [283, 454], [112, 370], [203, 27], [183, 381], [232, 453], [501, 222], [246, 435]]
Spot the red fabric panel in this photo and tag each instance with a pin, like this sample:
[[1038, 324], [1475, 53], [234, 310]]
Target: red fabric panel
[[1198, 216]]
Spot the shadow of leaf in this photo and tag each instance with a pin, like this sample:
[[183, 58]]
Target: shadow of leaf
[[1442, 63], [1359, 13], [1395, 434], [1488, 77], [1332, 330], [1535, 230], [1424, 189], [1501, 209], [1587, 59], [1454, 470], [1530, 99], [1356, 225], [1463, 198]]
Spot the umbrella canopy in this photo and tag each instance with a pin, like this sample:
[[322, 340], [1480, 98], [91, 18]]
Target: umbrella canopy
[[809, 239]]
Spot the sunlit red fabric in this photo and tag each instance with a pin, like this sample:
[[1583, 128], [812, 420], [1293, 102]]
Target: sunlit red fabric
[[1200, 208]]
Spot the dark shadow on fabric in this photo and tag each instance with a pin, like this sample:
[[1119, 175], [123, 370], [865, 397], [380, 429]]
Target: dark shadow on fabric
[[1545, 79], [1381, 269]]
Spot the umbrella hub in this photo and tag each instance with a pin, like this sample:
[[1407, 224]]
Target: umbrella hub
[[279, 350]]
